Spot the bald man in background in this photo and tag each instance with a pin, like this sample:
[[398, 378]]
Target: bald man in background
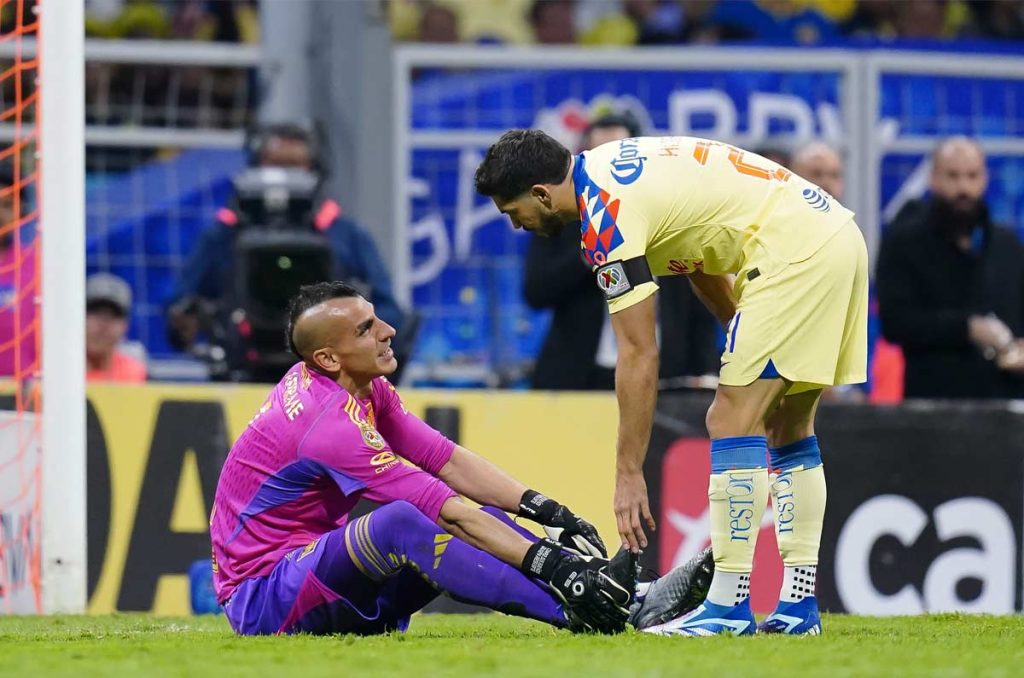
[[950, 286], [820, 164]]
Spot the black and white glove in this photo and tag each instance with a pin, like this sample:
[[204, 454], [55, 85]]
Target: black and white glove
[[562, 525], [593, 601]]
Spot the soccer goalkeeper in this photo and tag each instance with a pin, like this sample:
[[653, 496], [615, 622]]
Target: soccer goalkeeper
[[287, 559]]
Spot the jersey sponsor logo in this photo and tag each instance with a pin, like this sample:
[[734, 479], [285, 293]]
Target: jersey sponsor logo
[[629, 164], [683, 266], [383, 461], [817, 200], [612, 280]]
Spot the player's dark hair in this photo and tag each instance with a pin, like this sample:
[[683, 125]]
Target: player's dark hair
[[518, 160], [309, 296]]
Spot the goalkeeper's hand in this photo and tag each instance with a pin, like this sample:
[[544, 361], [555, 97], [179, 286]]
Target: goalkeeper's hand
[[594, 602], [566, 527]]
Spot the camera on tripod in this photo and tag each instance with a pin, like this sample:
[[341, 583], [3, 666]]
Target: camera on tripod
[[277, 250], [276, 234]]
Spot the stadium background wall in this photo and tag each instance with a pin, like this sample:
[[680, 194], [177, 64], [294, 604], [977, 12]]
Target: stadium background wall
[[155, 453], [926, 501]]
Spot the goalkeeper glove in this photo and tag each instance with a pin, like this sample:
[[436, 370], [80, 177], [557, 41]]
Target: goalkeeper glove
[[593, 601], [567, 528]]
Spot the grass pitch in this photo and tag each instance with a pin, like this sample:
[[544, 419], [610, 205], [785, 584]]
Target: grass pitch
[[494, 645]]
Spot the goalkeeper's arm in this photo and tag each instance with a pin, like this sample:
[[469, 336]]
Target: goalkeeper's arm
[[478, 479]]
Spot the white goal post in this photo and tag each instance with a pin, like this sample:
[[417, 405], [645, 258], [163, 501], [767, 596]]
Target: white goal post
[[62, 230]]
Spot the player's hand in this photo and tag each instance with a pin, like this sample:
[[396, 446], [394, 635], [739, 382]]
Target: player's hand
[[578, 534], [1011, 358], [593, 601], [568, 528], [989, 334], [632, 510]]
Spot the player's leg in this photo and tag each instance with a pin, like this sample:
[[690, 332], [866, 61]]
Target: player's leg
[[389, 604], [311, 589], [397, 536], [737, 497], [798, 503], [370, 576]]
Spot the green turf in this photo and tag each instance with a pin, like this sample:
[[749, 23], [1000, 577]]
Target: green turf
[[492, 645]]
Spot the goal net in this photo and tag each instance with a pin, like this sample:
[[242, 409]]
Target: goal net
[[42, 412]]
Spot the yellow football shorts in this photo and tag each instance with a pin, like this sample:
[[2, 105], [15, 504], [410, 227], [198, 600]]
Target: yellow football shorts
[[807, 322]]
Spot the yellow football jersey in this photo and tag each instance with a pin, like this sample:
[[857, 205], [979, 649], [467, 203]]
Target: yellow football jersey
[[688, 204]]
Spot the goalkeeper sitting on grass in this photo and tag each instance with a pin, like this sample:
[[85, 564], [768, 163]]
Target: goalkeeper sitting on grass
[[287, 559]]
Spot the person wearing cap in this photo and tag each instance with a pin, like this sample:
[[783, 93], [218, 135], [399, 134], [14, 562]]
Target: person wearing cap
[[108, 301]]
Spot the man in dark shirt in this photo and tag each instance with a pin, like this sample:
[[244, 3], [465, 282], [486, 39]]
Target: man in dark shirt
[[951, 286], [205, 275]]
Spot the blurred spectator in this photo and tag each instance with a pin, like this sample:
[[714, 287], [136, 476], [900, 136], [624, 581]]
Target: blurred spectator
[[209, 278], [775, 152], [502, 21], [579, 352], [658, 22], [703, 24], [820, 164], [121, 19], [217, 20], [603, 24], [108, 303], [999, 19], [166, 95], [872, 18], [777, 20], [951, 286], [18, 284], [438, 24], [920, 19], [552, 22], [932, 19], [609, 127]]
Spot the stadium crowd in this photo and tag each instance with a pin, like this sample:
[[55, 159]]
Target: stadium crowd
[[671, 22]]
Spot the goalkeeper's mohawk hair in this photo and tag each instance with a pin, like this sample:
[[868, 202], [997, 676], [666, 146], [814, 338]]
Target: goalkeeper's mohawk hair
[[309, 296]]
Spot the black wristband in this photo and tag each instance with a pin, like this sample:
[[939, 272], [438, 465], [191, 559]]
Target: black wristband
[[537, 507], [542, 558]]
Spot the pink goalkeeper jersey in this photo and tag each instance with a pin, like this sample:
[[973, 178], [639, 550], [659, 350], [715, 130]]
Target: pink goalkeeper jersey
[[310, 453]]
